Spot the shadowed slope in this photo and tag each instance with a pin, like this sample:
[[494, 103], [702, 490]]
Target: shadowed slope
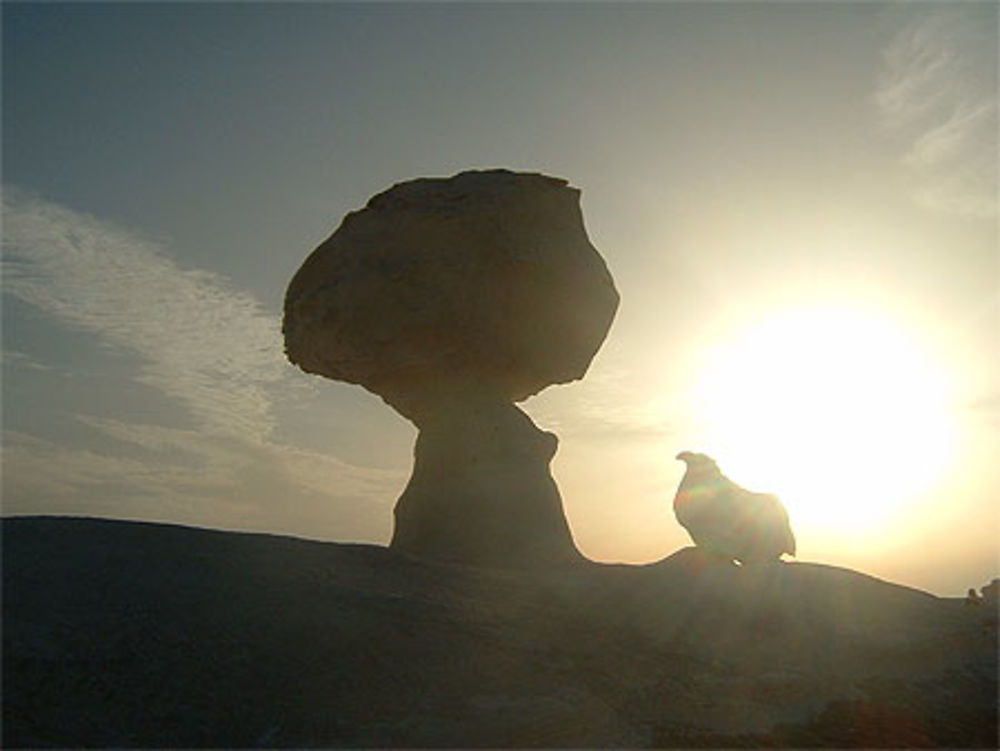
[[129, 634]]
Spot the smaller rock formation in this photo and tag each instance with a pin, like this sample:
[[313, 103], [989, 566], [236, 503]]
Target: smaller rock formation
[[991, 592], [729, 521], [452, 299]]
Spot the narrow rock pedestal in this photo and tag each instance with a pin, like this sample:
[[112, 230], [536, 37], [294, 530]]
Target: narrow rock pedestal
[[481, 492]]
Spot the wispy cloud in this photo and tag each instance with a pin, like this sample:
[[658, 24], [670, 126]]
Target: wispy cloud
[[15, 359], [608, 405], [211, 348], [207, 345], [936, 94]]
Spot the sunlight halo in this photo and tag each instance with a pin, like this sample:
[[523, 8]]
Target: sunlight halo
[[838, 411]]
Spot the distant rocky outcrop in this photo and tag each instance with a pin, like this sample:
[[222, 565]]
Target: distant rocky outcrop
[[452, 299], [130, 635], [991, 592]]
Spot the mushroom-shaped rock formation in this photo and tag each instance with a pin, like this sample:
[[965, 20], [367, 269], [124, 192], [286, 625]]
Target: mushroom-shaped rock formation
[[452, 299]]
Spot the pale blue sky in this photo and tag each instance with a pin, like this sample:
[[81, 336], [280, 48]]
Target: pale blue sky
[[167, 167]]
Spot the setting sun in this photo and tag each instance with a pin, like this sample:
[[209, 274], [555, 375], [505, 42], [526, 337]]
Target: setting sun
[[837, 411]]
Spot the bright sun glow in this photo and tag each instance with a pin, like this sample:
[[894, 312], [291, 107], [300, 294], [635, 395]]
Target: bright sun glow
[[838, 412]]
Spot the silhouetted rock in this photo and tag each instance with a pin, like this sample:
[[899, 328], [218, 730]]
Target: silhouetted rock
[[452, 299], [129, 635], [483, 283], [991, 592], [729, 521], [481, 491]]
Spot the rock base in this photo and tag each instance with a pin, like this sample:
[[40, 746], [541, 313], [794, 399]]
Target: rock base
[[481, 492]]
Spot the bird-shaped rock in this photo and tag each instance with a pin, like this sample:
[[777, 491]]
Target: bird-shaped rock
[[727, 520]]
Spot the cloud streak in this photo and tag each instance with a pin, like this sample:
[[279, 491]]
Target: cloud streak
[[609, 405], [209, 347], [212, 348], [936, 95], [15, 359]]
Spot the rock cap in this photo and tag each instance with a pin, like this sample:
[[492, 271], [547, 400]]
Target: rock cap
[[485, 283]]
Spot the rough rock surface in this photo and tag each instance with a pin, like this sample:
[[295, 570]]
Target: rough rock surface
[[482, 282], [481, 492], [131, 635], [452, 299]]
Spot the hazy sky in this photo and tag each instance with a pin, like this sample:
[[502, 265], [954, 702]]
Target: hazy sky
[[798, 202]]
